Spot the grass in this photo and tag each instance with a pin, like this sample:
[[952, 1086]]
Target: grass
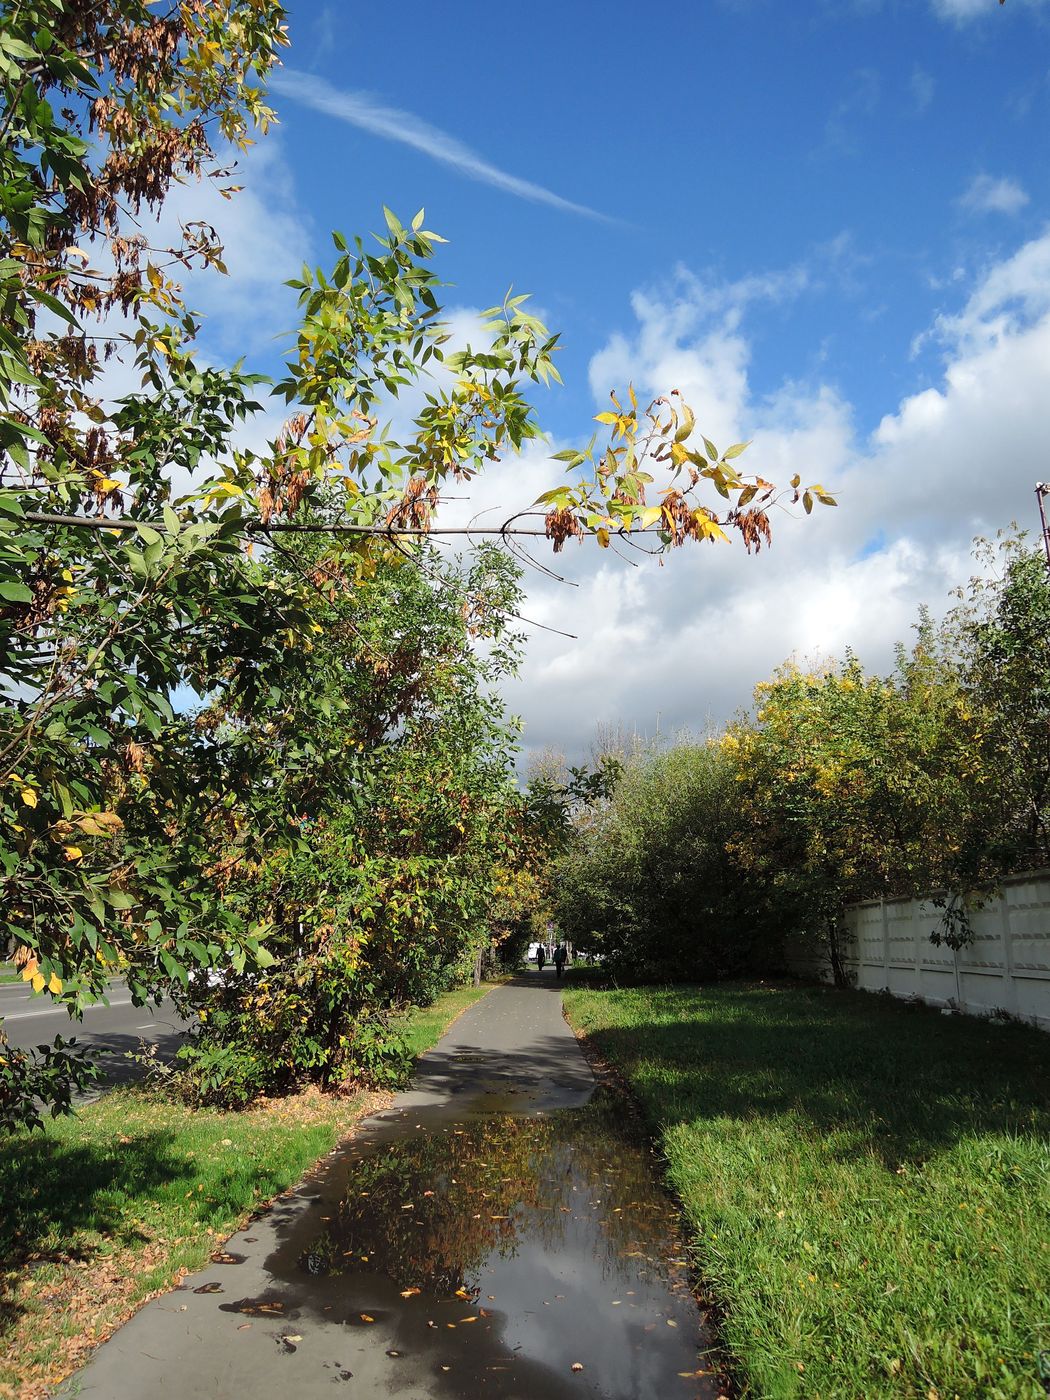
[[9, 973], [867, 1182], [104, 1209]]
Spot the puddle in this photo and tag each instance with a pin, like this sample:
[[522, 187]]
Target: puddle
[[493, 1255]]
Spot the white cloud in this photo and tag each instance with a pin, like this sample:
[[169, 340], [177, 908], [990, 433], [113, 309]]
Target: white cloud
[[363, 110], [963, 10], [264, 241], [987, 194], [923, 86], [242, 312], [683, 644]]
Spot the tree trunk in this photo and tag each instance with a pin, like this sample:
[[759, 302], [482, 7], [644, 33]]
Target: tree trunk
[[835, 953]]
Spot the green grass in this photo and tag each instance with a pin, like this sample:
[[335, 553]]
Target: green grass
[[9, 973], [867, 1183], [103, 1209]]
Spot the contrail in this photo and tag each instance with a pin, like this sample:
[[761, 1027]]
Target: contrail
[[361, 109]]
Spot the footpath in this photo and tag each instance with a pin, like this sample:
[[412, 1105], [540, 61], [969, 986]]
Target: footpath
[[492, 1233], [511, 1052]]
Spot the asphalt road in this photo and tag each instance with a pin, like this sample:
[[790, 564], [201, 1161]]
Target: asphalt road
[[116, 1029]]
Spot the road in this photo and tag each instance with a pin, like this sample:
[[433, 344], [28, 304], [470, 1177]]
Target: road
[[116, 1028]]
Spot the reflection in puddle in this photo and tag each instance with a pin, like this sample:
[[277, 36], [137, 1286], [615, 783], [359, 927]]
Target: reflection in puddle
[[498, 1255]]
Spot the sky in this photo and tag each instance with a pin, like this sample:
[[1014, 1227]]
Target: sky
[[826, 224]]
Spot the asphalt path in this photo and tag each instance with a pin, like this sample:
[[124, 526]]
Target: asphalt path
[[116, 1029], [511, 1052]]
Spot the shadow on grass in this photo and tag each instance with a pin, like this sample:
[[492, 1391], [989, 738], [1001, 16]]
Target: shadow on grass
[[876, 1077], [57, 1197], [74, 1201]]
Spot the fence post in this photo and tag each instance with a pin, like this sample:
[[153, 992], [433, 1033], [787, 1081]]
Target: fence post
[[1010, 1002], [885, 944]]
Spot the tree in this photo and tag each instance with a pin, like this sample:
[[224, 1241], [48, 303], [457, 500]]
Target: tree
[[369, 842], [1000, 633], [648, 880], [116, 591]]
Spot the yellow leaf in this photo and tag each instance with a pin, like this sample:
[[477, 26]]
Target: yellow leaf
[[99, 823], [603, 537], [29, 797], [38, 982], [73, 852], [108, 483], [605, 417], [686, 425], [711, 530], [55, 985], [29, 971]]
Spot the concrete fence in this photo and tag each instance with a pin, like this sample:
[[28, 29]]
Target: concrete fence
[[1005, 968]]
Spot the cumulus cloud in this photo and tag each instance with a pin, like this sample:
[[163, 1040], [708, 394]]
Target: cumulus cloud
[[987, 194], [265, 238], [683, 644], [264, 242]]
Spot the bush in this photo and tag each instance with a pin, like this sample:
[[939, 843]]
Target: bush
[[648, 884], [50, 1075], [219, 1076]]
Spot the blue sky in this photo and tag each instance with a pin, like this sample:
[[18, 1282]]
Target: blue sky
[[729, 138], [827, 222]]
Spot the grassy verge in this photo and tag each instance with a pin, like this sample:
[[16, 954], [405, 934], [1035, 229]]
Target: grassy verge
[[103, 1210], [9, 973], [868, 1183]]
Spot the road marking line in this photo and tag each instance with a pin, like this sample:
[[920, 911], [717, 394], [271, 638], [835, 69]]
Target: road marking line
[[59, 1011]]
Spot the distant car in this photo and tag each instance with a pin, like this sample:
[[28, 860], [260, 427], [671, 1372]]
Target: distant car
[[209, 976]]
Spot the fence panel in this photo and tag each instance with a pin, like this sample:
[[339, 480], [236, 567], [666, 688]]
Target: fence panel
[[1006, 967]]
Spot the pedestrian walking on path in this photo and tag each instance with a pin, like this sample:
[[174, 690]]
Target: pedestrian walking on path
[[560, 955], [541, 957]]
